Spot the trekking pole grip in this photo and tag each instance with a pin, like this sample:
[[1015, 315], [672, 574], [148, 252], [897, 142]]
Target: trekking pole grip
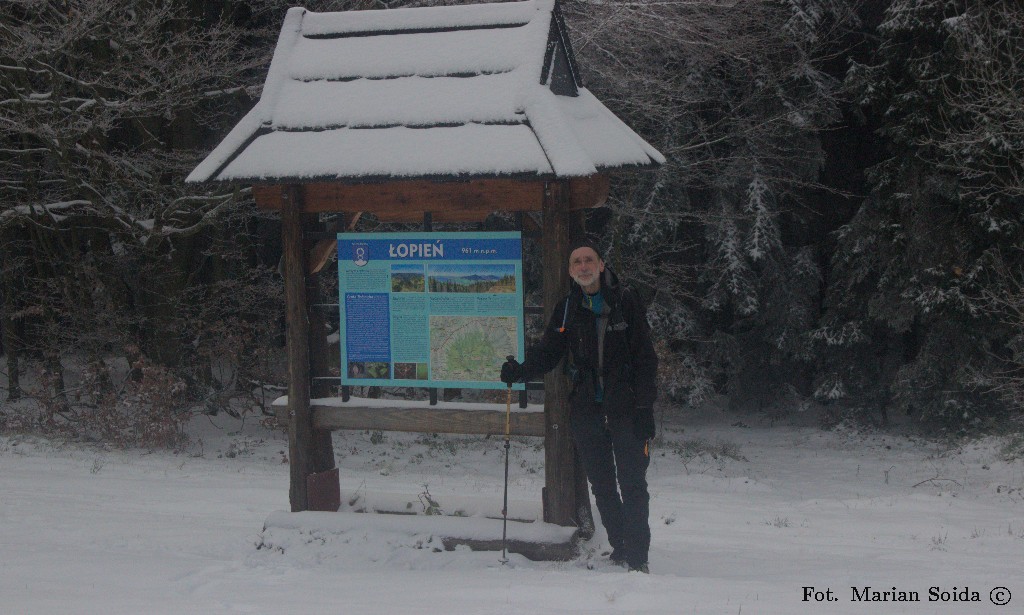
[[510, 359], [508, 407]]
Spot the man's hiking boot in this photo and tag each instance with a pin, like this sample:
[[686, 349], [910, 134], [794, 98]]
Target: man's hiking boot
[[618, 557], [640, 568]]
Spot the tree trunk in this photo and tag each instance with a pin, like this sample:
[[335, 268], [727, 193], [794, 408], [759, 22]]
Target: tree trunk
[[8, 333], [54, 366]]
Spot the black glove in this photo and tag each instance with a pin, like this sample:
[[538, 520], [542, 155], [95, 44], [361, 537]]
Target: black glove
[[511, 372], [643, 423]]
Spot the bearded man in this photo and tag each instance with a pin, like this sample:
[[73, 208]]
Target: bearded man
[[601, 330]]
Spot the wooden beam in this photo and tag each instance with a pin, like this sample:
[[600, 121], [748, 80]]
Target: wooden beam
[[323, 489], [426, 419], [560, 492], [406, 201], [412, 216], [300, 427], [351, 226], [320, 254], [470, 197], [530, 225]]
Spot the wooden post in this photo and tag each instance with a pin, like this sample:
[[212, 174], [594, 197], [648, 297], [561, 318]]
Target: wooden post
[[560, 466], [300, 426], [583, 515], [323, 487]]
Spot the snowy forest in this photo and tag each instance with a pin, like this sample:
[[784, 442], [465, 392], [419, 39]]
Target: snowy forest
[[838, 225]]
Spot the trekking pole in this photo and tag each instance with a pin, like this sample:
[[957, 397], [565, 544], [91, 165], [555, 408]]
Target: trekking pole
[[504, 508]]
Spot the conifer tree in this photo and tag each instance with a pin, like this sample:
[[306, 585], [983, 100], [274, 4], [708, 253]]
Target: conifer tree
[[734, 94], [904, 328]]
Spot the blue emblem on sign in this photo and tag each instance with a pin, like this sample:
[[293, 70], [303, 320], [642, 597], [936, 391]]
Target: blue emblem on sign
[[360, 254]]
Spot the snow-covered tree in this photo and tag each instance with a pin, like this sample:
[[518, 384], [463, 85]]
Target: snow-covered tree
[[735, 94], [911, 265], [105, 105]]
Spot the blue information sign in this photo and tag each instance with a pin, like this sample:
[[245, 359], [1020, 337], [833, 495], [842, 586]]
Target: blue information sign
[[429, 309]]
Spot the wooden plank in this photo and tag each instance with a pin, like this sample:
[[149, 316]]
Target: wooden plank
[[407, 201], [427, 419], [300, 427], [470, 198], [351, 226], [413, 216], [320, 254], [323, 448]]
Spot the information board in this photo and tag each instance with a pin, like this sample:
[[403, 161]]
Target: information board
[[429, 309]]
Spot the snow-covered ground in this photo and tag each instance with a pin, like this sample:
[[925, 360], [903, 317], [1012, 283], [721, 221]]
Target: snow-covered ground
[[744, 518]]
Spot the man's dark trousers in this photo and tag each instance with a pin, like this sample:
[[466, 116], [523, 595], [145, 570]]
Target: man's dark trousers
[[612, 453]]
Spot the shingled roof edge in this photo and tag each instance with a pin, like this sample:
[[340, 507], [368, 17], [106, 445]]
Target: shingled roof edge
[[547, 122]]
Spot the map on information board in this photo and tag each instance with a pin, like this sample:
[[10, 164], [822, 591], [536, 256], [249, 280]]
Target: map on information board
[[429, 309]]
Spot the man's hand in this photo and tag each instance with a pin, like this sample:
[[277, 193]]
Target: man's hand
[[511, 371], [643, 423]]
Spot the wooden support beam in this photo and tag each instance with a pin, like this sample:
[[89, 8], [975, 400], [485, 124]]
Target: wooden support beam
[[560, 465], [300, 426], [411, 216], [426, 419], [320, 254], [475, 196], [407, 201], [323, 485]]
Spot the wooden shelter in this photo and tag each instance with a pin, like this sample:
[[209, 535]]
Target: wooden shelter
[[441, 114]]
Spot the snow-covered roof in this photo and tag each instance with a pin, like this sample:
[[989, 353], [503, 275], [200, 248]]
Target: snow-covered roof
[[483, 90]]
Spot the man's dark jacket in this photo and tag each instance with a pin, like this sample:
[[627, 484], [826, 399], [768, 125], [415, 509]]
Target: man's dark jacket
[[630, 364]]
